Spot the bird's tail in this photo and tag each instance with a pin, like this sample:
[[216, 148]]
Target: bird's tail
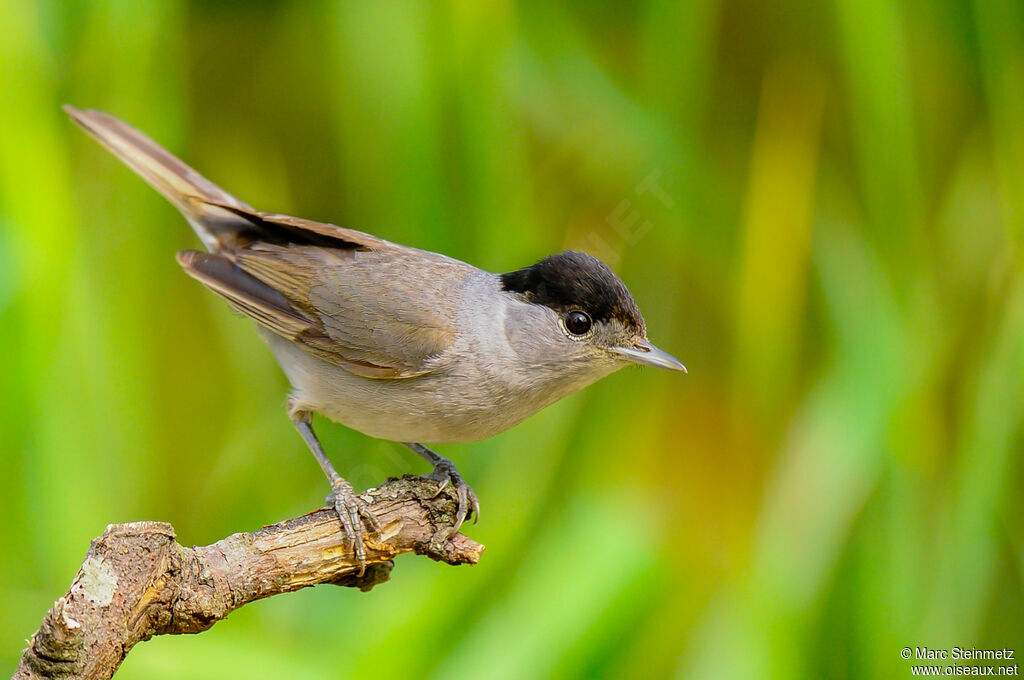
[[215, 215]]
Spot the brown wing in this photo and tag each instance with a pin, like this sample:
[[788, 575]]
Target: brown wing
[[367, 304], [345, 296], [246, 294]]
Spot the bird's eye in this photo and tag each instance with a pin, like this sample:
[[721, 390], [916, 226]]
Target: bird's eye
[[577, 323]]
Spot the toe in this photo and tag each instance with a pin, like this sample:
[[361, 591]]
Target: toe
[[371, 519], [474, 507], [445, 474], [442, 485], [353, 513], [460, 514]]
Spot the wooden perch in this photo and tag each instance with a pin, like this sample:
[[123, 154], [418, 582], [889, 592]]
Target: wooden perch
[[137, 581]]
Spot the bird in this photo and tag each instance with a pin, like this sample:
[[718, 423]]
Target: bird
[[392, 341]]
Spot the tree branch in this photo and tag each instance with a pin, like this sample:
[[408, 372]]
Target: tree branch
[[137, 581]]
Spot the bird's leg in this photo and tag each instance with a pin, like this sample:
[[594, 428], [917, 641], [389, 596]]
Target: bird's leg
[[350, 508], [444, 474]]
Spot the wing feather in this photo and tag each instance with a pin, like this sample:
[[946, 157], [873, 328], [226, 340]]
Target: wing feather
[[362, 303], [356, 307], [244, 292]]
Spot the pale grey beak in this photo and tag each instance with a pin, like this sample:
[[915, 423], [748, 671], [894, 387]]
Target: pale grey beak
[[649, 355]]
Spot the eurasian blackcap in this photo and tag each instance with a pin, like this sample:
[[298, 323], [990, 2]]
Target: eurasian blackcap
[[395, 342]]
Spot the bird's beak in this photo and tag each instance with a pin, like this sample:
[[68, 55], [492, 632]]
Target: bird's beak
[[645, 353]]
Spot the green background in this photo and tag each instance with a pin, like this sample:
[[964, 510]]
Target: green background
[[836, 256]]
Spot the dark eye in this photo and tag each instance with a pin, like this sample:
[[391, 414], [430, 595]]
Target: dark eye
[[577, 323]]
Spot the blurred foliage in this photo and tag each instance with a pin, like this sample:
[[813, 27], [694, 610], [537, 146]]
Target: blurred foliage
[[819, 207]]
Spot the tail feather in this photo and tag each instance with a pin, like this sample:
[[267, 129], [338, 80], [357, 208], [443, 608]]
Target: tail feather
[[204, 204]]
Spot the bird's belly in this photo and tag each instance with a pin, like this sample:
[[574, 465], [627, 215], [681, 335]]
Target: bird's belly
[[433, 408], [412, 423], [401, 411]]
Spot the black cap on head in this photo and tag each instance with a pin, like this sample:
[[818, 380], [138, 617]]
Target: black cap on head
[[572, 280]]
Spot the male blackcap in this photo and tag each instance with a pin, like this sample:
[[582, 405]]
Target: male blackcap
[[395, 342]]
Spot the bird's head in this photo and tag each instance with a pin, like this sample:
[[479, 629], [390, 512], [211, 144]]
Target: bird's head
[[588, 318]]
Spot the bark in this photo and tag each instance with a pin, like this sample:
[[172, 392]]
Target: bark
[[137, 581]]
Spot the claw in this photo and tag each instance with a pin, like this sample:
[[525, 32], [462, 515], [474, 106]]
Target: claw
[[442, 486], [351, 511], [370, 518], [446, 474]]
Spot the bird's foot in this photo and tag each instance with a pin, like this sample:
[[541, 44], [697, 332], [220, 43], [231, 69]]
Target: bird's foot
[[353, 512], [445, 474]]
